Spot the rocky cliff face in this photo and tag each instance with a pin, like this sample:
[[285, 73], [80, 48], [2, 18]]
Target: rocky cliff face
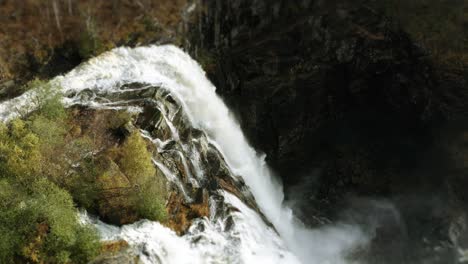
[[345, 104], [305, 70]]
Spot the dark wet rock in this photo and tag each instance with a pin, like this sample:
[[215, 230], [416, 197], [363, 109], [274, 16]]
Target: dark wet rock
[[229, 224], [7, 88], [298, 86], [344, 103]]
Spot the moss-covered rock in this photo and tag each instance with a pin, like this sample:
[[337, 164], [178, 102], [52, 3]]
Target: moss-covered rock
[[126, 186]]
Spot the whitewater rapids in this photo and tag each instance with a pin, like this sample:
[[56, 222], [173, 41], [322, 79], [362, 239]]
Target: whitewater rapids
[[253, 241]]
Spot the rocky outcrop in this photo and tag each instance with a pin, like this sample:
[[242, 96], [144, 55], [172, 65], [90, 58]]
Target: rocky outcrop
[[114, 197], [196, 167], [190, 171]]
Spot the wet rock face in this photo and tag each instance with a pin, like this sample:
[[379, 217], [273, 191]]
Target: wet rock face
[[199, 170], [302, 76], [344, 104]]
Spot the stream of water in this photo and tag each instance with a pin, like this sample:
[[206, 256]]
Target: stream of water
[[251, 240]]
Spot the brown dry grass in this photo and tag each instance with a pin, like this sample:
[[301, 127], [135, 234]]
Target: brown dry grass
[[37, 27]]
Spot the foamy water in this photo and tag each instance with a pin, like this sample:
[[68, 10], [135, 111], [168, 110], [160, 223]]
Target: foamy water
[[252, 241]]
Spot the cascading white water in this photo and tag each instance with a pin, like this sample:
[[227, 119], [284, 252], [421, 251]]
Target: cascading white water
[[172, 69]]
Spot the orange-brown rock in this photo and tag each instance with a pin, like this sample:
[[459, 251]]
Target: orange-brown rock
[[181, 214]]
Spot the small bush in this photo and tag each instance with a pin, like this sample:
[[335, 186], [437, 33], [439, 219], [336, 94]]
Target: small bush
[[136, 163], [135, 159], [42, 226], [49, 102], [38, 219], [83, 184], [46, 100], [87, 244], [20, 156], [119, 119], [50, 132], [150, 202], [32, 85]]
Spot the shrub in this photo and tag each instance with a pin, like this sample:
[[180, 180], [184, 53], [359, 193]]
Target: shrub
[[49, 102], [41, 224], [136, 163], [50, 132], [53, 146], [119, 119], [38, 219], [32, 84], [46, 100], [20, 156], [83, 184], [135, 159], [87, 245], [150, 202]]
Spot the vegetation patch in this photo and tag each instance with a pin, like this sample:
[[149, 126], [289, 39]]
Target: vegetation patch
[[38, 34], [51, 162]]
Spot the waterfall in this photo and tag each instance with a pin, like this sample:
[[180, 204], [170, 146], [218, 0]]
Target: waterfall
[[251, 240]]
